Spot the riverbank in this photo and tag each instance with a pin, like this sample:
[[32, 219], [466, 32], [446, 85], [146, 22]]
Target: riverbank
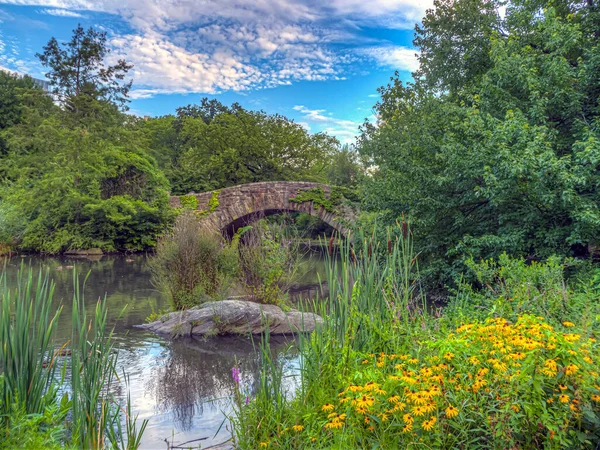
[[509, 365]]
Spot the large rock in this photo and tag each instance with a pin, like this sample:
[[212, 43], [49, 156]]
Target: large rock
[[233, 317]]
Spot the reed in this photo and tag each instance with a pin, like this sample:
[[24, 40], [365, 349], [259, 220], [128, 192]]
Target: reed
[[27, 356], [29, 362]]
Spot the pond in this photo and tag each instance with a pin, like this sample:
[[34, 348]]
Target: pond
[[183, 387]]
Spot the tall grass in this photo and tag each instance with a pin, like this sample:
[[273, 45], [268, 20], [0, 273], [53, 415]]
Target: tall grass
[[370, 286], [29, 364], [371, 302], [27, 357], [193, 264]]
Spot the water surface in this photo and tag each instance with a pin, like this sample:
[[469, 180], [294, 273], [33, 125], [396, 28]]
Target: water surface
[[183, 387]]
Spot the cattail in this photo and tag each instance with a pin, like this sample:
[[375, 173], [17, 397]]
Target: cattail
[[370, 250], [404, 229], [331, 246], [389, 246]]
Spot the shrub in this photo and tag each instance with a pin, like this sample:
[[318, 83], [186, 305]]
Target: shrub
[[269, 261], [509, 287], [192, 265]]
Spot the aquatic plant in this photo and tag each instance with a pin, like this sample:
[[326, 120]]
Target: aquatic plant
[[31, 412], [193, 264]]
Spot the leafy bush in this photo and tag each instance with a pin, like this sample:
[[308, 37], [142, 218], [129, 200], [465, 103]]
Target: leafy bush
[[35, 431], [269, 260], [192, 264], [509, 287], [494, 146]]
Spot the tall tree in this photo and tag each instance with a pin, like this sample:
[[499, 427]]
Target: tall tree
[[503, 155], [78, 67]]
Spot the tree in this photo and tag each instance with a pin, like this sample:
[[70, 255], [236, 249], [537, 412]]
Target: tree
[[344, 169], [455, 40], [216, 146], [72, 184], [78, 68], [505, 159]]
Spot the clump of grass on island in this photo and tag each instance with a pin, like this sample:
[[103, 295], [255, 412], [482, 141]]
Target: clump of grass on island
[[509, 363]]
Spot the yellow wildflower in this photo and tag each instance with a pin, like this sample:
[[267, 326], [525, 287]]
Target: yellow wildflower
[[298, 428], [451, 412], [571, 369], [428, 424], [327, 407]]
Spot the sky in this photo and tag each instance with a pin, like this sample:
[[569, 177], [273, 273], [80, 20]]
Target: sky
[[318, 62]]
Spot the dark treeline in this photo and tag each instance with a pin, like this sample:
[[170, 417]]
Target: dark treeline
[[77, 172]]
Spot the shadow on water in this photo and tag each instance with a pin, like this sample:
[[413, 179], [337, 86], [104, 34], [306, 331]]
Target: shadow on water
[[185, 386]]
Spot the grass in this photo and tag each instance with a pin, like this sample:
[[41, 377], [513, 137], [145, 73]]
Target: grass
[[31, 411], [511, 363]]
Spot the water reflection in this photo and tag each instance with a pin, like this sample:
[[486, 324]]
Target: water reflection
[[196, 375], [183, 387]]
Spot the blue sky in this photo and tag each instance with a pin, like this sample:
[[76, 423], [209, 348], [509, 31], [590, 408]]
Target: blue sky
[[318, 62]]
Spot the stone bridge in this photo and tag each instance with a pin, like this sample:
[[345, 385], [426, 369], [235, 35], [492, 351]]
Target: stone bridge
[[230, 208]]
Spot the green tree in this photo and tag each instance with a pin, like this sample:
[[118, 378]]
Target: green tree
[[211, 146], [85, 186], [502, 155], [78, 67], [344, 169]]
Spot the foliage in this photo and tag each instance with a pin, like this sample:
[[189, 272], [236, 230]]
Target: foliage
[[80, 184], [314, 195], [11, 109], [188, 202], [192, 264], [509, 287], [35, 431], [384, 372], [494, 148], [27, 355], [212, 146], [344, 168], [269, 259], [213, 204], [77, 68]]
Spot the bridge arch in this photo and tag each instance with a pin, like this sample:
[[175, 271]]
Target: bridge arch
[[228, 209]]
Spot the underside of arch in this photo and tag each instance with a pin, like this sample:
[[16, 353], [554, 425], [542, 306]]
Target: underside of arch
[[230, 228]]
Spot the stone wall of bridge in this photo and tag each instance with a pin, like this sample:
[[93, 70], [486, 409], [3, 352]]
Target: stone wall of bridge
[[238, 206]]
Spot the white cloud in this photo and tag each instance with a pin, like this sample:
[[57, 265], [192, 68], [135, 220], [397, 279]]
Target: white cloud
[[61, 13], [345, 130], [191, 46], [395, 57]]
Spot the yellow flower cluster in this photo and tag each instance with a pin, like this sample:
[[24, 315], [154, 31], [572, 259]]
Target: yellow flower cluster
[[481, 363]]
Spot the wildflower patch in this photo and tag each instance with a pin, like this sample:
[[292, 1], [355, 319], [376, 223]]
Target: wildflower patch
[[522, 383]]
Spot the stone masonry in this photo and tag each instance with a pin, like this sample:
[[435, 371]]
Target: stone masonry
[[241, 205]]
